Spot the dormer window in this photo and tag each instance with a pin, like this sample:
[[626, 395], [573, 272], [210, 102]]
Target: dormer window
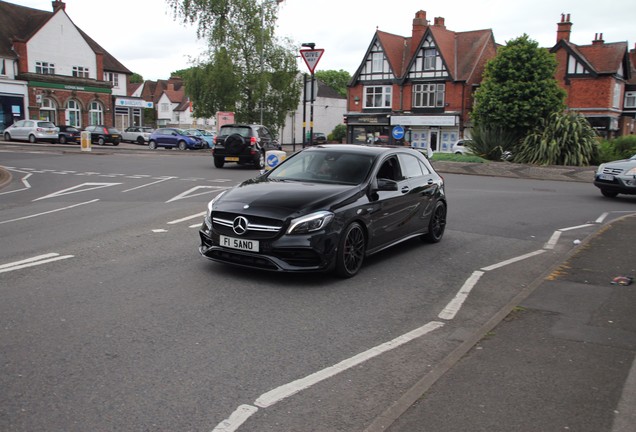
[[44, 68]]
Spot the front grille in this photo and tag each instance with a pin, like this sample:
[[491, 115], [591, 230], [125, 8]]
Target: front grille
[[613, 171], [258, 228]]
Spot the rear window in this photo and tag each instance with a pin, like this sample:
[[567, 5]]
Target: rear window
[[45, 124], [245, 132], [113, 130]]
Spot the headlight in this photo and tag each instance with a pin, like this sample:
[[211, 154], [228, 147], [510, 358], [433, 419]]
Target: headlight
[[310, 223], [208, 215], [631, 172]]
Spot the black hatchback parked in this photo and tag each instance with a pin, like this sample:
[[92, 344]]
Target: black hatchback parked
[[101, 134], [68, 134], [243, 144]]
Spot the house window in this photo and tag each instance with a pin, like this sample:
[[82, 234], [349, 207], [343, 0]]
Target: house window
[[377, 97], [377, 62], [164, 107], [73, 113], [616, 103], [45, 68], [430, 58], [428, 95], [80, 72], [95, 113], [630, 99], [113, 78], [3, 67], [48, 110]]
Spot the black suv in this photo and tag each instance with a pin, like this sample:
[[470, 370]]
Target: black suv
[[243, 144]]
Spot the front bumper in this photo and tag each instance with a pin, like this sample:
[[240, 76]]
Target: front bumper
[[298, 253], [620, 184]]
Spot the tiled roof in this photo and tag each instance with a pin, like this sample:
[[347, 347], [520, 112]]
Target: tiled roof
[[21, 23], [600, 57]]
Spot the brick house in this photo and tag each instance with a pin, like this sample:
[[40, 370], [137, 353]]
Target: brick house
[[50, 69], [424, 83], [597, 80]]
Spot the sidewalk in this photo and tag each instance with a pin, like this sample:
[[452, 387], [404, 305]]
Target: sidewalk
[[562, 361]]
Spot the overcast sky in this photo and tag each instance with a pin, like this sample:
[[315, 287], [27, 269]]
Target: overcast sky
[[143, 35]]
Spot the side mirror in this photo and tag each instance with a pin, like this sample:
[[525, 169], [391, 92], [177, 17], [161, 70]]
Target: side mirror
[[386, 185]]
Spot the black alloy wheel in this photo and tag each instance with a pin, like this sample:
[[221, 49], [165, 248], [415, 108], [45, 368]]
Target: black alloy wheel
[[62, 139], [437, 224], [141, 141], [351, 251], [101, 141]]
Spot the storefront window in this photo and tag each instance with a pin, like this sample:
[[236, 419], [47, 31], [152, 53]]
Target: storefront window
[[73, 113], [48, 110], [95, 113]]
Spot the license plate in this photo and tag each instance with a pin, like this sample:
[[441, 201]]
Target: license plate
[[50, 132], [231, 159], [115, 136], [240, 244], [607, 177]]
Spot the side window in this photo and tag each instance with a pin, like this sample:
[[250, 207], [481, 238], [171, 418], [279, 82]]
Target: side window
[[410, 165], [389, 169], [264, 133]]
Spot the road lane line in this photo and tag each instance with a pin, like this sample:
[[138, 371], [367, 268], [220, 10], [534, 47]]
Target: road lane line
[[451, 309], [149, 184], [238, 417], [29, 260], [48, 212], [198, 215], [33, 262], [276, 395], [513, 260]]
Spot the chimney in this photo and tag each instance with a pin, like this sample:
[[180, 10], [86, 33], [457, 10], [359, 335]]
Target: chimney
[[564, 28], [598, 39], [57, 5], [419, 28], [439, 22]]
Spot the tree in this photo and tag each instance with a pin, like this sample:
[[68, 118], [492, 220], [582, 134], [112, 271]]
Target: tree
[[518, 89], [249, 71], [337, 80], [136, 78]]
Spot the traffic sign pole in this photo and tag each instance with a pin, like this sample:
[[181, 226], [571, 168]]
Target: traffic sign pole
[[311, 57]]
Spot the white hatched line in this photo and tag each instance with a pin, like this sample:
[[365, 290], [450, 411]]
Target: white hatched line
[[24, 182], [48, 212], [451, 309], [35, 261], [554, 239], [148, 184], [576, 227], [513, 260], [198, 215]]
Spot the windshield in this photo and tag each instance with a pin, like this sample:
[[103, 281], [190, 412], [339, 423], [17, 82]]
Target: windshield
[[324, 167]]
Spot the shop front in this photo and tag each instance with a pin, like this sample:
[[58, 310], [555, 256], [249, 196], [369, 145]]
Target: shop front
[[438, 133], [130, 112], [368, 128], [13, 94]]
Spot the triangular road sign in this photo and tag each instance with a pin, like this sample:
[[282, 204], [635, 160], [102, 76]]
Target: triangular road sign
[[311, 57]]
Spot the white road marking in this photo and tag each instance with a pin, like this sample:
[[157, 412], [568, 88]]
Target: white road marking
[[84, 187], [276, 395], [188, 193], [513, 260], [24, 182], [35, 261], [198, 215], [160, 230], [554, 239], [451, 309], [149, 184], [48, 212], [575, 227], [238, 417]]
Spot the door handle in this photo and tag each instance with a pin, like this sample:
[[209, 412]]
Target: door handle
[[405, 189]]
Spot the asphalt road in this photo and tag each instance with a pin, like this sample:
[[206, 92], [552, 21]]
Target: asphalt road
[[128, 328]]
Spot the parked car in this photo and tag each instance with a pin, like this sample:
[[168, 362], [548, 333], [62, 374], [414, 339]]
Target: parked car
[[243, 144], [173, 137], [326, 208], [32, 131], [617, 177], [68, 134], [319, 138], [101, 134], [205, 135], [136, 134], [460, 147]]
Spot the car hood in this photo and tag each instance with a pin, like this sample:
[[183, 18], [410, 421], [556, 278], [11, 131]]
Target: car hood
[[282, 199], [620, 164]]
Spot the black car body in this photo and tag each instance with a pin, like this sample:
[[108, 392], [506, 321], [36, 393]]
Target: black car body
[[319, 138], [68, 134], [243, 144], [326, 208], [101, 134]]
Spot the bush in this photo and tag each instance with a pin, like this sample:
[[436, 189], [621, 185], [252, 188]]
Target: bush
[[619, 148], [338, 133], [562, 139], [491, 142]]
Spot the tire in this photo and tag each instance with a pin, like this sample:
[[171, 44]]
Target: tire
[[608, 193], [101, 141], [351, 251], [7, 136], [115, 143], [437, 224], [235, 144], [182, 145], [141, 141], [32, 139], [152, 145], [219, 162], [62, 139], [260, 162]]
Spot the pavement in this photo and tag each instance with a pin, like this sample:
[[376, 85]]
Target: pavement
[[560, 360]]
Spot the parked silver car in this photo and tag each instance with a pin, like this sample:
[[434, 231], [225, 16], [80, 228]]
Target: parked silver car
[[32, 131], [617, 177]]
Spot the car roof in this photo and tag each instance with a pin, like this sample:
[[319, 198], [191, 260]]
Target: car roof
[[373, 150]]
